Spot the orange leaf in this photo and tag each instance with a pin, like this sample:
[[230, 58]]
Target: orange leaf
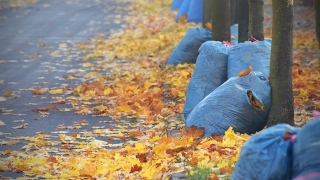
[[8, 93], [38, 91], [136, 133], [87, 170], [52, 159], [193, 131], [245, 72], [209, 25], [135, 168]]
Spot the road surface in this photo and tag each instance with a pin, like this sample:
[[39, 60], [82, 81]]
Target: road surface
[[38, 48]]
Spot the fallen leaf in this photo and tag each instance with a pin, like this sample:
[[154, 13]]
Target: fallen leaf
[[209, 25], [135, 168], [193, 131], [42, 109], [2, 98], [8, 93], [41, 91], [254, 101], [245, 72], [23, 126], [56, 91], [2, 123], [41, 44]]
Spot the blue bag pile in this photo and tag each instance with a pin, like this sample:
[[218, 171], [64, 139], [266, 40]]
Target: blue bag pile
[[192, 9], [195, 12], [248, 53], [210, 72], [184, 9], [306, 149], [230, 105], [176, 4], [266, 155], [187, 50]]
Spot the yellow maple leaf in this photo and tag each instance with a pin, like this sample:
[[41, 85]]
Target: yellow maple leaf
[[56, 91], [124, 108], [107, 91]]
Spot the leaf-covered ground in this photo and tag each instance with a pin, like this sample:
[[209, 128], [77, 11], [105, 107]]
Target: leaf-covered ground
[[125, 77]]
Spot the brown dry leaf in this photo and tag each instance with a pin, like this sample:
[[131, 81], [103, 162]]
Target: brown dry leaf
[[136, 133], [183, 19], [23, 126], [58, 101], [254, 101], [8, 93], [52, 159], [193, 131], [46, 109], [245, 72], [41, 91], [135, 168]]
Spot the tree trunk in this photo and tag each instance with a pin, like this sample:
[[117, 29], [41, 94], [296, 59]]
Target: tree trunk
[[256, 19], [234, 12], [243, 21], [221, 20], [207, 12], [282, 109], [317, 8]]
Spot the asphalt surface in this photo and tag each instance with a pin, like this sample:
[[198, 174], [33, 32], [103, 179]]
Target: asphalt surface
[[38, 47]]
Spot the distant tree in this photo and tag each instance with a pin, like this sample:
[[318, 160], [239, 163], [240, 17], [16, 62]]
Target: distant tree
[[282, 109], [256, 19], [221, 20], [243, 20]]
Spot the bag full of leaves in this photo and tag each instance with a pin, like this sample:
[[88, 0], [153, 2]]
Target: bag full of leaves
[[241, 102], [187, 50], [176, 4], [210, 72], [267, 155], [195, 11], [183, 10], [306, 152], [248, 53]]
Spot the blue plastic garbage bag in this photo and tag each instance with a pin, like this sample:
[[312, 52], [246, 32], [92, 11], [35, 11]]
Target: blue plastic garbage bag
[[195, 12], [187, 50], [184, 8], [306, 152], [231, 105], [267, 155], [210, 72], [248, 53], [176, 4]]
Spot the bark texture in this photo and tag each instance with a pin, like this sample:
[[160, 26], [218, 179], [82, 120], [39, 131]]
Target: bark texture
[[207, 12], [243, 26], [317, 8], [233, 12], [221, 20], [256, 19], [282, 109]]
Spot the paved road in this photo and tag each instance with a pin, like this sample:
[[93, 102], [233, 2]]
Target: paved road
[[38, 46]]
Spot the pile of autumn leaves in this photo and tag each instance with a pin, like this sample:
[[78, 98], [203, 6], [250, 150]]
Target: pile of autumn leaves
[[126, 76]]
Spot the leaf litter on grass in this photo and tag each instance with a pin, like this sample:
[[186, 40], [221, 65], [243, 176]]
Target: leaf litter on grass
[[125, 78]]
